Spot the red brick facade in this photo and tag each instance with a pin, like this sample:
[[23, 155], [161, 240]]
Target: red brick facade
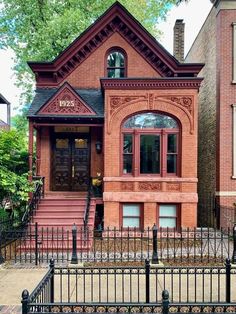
[[155, 83]]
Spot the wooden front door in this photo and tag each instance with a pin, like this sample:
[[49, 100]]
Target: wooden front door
[[70, 168]]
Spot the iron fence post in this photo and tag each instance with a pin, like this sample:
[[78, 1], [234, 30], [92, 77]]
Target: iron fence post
[[234, 251], [25, 301], [74, 257], [52, 265], [155, 259], [165, 302], [228, 280], [147, 277], [1, 257], [36, 243]]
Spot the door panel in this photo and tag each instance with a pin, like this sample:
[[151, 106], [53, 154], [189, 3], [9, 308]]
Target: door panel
[[70, 168], [80, 164]]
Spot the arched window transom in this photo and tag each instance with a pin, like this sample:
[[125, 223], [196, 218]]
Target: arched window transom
[[116, 64], [150, 145]]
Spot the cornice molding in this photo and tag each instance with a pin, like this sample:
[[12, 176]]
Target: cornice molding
[[149, 83], [115, 19]]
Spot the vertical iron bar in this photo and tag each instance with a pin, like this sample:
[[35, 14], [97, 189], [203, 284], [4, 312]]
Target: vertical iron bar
[[52, 270], [36, 243], [25, 301], [147, 277], [234, 251], [155, 259], [74, 257], [165, 302], [228, 283]]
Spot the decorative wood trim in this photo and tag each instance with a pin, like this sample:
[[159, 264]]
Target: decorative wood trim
[[66, 102], [31, 148], [115, 19], [151, 83]]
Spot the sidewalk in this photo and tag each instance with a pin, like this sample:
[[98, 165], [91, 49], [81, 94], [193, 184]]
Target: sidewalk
[[13, 281]]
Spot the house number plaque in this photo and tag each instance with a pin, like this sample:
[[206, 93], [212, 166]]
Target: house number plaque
[[66, 103]]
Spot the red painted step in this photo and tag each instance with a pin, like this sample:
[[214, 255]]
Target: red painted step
[[56, 215]]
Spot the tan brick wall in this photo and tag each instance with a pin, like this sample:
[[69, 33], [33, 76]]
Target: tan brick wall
[[204, 50], [88, 74]]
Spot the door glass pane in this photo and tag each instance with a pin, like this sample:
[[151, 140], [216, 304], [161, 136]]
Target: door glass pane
[[62, 143], [171, 163], [172, 147], [131, 222], [149, 154], [167, 210], [81, 143], [167, 222], [131, 210]]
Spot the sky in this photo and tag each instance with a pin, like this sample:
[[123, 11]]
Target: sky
[[193, 13]]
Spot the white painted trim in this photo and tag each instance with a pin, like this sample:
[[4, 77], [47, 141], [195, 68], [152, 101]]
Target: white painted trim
[[234, 141], [225, 193]]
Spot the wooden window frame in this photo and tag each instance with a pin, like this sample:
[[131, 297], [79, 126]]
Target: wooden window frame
[[177, 217], [141, 217], [163, 151], [107, 68]]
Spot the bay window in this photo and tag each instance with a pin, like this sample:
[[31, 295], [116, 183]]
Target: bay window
[[150, 145]]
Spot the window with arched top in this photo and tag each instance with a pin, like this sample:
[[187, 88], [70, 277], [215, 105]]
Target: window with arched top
[[150, 145], [116, 64]]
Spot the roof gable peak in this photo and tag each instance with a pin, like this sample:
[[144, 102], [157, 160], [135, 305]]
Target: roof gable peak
[[115, 19], [66, 102]]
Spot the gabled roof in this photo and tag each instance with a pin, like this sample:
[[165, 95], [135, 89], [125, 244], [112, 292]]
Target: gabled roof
[[115, 19], [3, 100], [87, 103]]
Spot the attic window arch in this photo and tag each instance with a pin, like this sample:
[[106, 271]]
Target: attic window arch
[[116, 63]]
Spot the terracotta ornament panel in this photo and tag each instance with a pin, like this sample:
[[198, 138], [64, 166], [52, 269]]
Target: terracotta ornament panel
[[66, 102]]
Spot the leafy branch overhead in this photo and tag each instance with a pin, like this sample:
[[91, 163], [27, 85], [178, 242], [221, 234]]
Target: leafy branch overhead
[[38, 30]]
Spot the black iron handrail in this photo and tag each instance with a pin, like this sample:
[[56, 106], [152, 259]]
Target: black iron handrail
[[88, 199], [34, 201]]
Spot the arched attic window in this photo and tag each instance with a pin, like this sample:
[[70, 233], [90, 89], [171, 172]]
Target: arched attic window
[[116, 63], [150, 145]]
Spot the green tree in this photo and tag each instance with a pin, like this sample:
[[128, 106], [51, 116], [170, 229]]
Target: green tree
[[38, 30], [14, 185]]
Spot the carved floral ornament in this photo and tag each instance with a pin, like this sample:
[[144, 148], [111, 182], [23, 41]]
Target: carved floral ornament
[[118, 103], [66, 103]]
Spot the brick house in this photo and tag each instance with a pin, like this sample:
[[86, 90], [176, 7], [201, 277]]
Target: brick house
[[215, 46], [5, 125], [115, 104]]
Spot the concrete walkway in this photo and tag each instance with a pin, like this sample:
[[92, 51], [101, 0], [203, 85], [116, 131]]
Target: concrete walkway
[[13, 281]]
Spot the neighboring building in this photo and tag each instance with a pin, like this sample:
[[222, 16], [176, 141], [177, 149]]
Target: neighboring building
[[5, 125], [215, 45], [115, 103]]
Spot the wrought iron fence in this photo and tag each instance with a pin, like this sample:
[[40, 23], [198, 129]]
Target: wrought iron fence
[[106, 289], [33, 243]]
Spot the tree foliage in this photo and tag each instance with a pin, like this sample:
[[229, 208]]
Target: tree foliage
[[38, 30], [14, 185]]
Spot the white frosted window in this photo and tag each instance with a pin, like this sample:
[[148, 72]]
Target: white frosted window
[[131, 222], [131, 210], [167, 216], [131, 216]]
